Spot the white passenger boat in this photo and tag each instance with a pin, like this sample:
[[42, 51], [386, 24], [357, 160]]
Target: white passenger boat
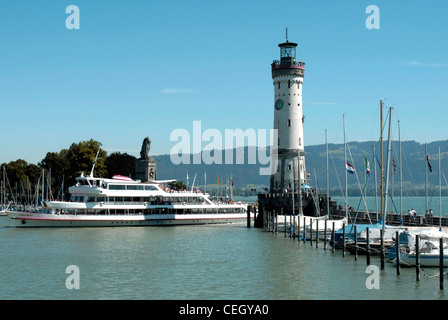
[[121, 201]]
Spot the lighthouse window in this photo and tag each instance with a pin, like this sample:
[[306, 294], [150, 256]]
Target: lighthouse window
[[279, 84], [289, 122], [289, 83]]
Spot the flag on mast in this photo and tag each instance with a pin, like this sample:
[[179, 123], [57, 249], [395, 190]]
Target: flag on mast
[[367, 164], [429, 164], [350, 168]]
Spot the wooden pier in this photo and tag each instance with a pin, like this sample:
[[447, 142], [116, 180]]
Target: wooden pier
[[314, 205]]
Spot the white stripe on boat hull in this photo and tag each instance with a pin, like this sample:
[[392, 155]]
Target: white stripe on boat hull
[[50, 220]]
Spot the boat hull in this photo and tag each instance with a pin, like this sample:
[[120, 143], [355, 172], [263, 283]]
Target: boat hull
[[34, 220], [426, 260]]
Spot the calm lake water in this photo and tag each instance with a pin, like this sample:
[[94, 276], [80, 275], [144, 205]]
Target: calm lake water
[[225, 262]]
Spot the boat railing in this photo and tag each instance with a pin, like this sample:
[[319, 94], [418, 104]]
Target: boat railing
[[152, 203]]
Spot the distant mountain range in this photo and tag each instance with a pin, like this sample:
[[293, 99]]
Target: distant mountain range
[[247, 175]]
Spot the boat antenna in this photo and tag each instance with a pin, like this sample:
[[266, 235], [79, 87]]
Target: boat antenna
[[194, 180], [94, 162]]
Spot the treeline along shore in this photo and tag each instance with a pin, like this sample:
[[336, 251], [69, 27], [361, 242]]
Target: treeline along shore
[[61, 169]]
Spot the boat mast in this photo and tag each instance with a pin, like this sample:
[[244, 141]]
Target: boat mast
[[194, 180], [426, 178], [299, 211], [381, 152], [328, 177], [388, 164], [440, 192], [401, 173], [345, 159], [94, 162], [376, 183]]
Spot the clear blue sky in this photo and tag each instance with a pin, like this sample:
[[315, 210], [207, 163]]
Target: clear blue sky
[[145, 68]]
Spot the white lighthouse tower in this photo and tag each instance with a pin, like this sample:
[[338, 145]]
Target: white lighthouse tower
[[287, 75]]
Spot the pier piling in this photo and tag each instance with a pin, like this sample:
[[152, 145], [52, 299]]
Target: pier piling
[[417, 257], [284, 220], [382, 249], [398, 253], [441, 262], [325, 234], [332, 239], [311, 232], [368, 246], [304, 227]]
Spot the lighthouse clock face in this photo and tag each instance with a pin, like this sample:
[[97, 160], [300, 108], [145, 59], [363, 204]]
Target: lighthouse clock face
[[279, 104]]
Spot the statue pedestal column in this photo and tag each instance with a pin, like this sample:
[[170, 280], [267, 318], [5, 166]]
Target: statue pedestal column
[[145, 169]]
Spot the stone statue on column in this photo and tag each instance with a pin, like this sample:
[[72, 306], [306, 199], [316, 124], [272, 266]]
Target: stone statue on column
[[145, 169]]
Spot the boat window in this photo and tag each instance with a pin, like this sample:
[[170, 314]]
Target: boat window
[[150, 188], [117, 187], [135, 187]]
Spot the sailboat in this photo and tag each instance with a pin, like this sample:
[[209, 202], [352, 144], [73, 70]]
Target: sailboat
[[429, 240], [4, 203], [429, 250], [374, 234]]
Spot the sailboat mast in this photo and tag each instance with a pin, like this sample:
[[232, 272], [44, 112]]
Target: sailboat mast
[[426, 178], [381, 152], [328, 176], [293, 190], [299, 190], [401, 171], [376, 183], [388, 163], [345, 159], [440, 192]]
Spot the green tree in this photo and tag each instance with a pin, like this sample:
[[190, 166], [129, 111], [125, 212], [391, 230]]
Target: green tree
[[177, 185], [81, 159], [121, 164]]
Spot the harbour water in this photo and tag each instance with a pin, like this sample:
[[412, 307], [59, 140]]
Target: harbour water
[[219, 262]]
